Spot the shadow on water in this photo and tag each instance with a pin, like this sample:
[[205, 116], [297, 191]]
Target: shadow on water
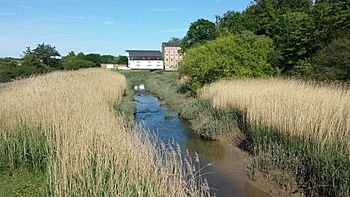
[[225, 176]]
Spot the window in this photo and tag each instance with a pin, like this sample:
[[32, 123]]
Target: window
[[166, 59]]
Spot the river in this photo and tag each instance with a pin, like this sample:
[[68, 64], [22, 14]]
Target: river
[[226, 176]]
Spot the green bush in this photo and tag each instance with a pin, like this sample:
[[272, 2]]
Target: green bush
[[333, 61], [75, 64], [10, 68], [238, 55]]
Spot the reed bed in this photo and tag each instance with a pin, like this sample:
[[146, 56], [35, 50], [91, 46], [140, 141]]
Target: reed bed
[[303, 126], [63, 124]]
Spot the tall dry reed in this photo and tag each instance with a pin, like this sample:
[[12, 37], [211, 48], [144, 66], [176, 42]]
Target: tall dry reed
[[68, 130], [320, 112], [303, 127]]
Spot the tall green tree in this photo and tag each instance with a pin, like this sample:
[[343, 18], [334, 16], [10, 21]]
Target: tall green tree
[[231, 21], [199, 32], [46, 53], [292, 33], [174, 40]]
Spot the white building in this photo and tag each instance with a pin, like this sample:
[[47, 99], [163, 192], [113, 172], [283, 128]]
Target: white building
[[144, 59]]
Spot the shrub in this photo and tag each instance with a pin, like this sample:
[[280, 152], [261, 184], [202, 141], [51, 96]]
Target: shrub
[[235, 55], [76, 64], [333, 61]]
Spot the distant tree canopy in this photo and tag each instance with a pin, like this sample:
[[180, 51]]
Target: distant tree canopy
[[238, 55], [200, 31], [122, 60], [174, 40], [45, 58], [303, 33], [45, 53]]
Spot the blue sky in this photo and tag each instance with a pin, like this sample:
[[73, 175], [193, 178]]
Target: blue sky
[[101, 26]]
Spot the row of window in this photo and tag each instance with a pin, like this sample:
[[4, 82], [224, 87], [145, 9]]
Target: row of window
[[171, 54], [149, 65], [170, 59], [172, 49], [148, 62]]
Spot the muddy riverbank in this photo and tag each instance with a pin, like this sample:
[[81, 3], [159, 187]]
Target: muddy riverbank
[[225, 164]]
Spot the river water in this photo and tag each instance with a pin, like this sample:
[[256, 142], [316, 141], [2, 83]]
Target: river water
[[226, 175]]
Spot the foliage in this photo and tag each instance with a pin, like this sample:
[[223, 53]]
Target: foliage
[[332, 62], [174, 40], [298, 29], [11, 68], [199, 32], [238, 55], [45, 53], [122, 60], [231, 21], [74, 64], [291, 33]]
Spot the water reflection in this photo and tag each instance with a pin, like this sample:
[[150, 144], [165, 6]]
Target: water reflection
[[225, 175]]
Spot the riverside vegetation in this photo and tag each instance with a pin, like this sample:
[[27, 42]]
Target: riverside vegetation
[[62, 127], [301, 128]]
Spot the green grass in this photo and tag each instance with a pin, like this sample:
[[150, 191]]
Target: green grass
[[206, 121], [317, 171], [22, 183]]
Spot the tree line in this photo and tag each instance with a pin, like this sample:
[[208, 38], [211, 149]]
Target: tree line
[[309, 39], [45, 58]]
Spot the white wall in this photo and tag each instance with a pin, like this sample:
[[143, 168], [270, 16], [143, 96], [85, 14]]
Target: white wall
[[146, 64]]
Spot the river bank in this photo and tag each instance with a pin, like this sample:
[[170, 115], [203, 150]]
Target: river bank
[[211, 124]]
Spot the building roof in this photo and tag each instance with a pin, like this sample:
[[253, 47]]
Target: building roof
[[167, 44], [145, 54]]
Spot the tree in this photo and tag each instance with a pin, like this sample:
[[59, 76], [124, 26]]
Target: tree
[[199, 32], [232, 22], [93, 57], [174, 40], [244, 55], [46, 53], [123, 60], [332, 20], [71, 54], [333, 61], [292, 35]]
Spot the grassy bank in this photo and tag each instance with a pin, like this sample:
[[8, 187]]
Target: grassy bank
[[299, 127], [62, 127], [206, 121]]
